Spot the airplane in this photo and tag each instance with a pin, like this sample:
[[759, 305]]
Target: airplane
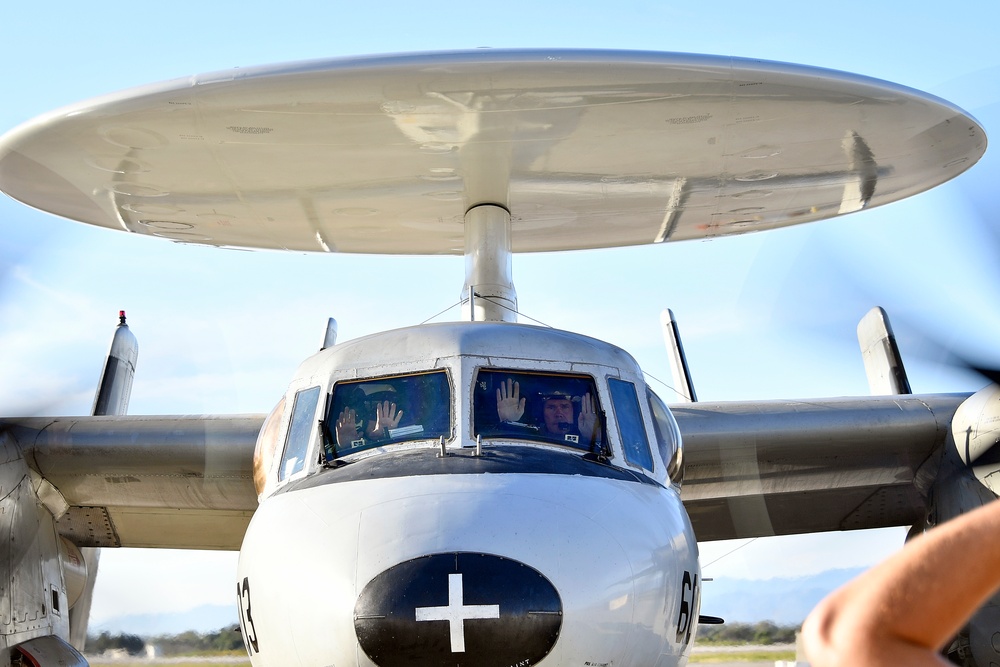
[[479, 492]]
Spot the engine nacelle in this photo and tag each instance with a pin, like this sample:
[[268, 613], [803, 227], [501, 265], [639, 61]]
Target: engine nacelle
[[976, 430]]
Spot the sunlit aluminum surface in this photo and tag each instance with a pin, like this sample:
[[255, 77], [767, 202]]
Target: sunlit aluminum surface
[[585, 148], [788, 467], [182, 482]]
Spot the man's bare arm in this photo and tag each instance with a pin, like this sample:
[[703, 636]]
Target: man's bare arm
[[902, 611]]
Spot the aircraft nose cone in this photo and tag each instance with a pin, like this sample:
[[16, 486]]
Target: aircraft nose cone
[[463, 609]]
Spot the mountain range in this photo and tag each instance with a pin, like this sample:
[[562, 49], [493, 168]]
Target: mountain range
[[785, 601]]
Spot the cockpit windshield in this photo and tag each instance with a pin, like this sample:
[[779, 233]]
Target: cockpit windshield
[[370, 413], [550, 407]]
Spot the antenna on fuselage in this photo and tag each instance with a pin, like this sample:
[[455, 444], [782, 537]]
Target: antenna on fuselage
[[488, 294], [330, 335]]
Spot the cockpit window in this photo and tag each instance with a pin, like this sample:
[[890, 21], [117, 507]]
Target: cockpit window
[[370, 413], [629, 418], [667, 436], [548, 407], [299, 429]]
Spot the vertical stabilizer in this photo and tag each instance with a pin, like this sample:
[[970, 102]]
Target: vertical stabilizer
[[883, 364], [115, 386], [678, 361]]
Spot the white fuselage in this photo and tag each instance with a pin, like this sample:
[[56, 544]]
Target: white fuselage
[[616, 552], [417, 510]]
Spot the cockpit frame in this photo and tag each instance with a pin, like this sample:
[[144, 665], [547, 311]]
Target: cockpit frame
[[463, 354]]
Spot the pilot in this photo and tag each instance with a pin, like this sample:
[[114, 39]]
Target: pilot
[[386, 416], [557, 413]]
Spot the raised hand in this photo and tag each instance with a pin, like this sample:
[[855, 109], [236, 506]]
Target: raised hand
[[510, 405], [347, 427], [386, 417], [587, 421]]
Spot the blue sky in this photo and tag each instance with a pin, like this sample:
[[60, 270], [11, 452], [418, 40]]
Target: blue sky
[[763, 316]]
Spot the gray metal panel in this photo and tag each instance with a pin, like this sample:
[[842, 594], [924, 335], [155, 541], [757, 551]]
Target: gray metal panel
[[181, 482], [88, 527], [787, 467], [585, 149]]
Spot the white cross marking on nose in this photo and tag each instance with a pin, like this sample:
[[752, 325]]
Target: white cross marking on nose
[[457, 612]]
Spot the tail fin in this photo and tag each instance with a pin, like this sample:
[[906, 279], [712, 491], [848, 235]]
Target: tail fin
[[883, 364], [115, 385], [678, 362]]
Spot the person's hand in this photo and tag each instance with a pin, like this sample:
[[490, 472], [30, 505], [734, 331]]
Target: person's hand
[[510, 405], [347, 427], [386, 417], [587, 421]]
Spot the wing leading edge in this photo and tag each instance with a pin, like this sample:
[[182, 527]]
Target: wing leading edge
[[786, 467], [173, 482]]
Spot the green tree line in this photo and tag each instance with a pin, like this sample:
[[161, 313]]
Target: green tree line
[[763, 633], [225, 640]]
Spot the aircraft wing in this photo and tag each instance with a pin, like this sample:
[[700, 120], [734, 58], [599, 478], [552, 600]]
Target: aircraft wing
[[752, 469], [786, 467], [174, 482]]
